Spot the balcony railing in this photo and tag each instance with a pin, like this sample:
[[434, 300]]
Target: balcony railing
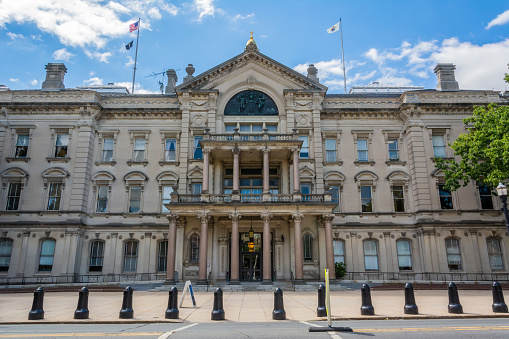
[[281, 198], [220, 198], [250, 137], [186, 198], [250, 198], [313, 197]]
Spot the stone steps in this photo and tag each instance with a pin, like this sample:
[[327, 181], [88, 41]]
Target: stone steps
[[251, 286]]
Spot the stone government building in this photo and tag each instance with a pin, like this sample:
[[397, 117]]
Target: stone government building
[[247, 172]]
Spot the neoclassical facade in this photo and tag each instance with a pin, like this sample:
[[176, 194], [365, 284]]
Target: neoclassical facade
[[248, 172]]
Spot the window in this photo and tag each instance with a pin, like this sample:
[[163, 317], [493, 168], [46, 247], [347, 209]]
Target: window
[[404, 255], [495, 253], [485, 197], [304, 150], [134, 199], [108, 149], [452, 248], [170, 150], [362, 150], [366, 199], [339, 251], [62, 142], [271, 128], [5, 254], [398, 198], [196, 188], [229, 127], [197, 152], [445, 197], [334, 191], [139, 150], [371, 255], [330, 150], [438, 145], [102, 198], [194, 248], [393, 149], [166, 198], [13, 196], [130, 255], [22, 146], [162, 256], [305, 188], [307, 240], [251, 127], [46, 255], [96, 256], [54, 196]]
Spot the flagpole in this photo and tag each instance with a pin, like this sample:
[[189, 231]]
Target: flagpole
[[342, 53], [136, 55]]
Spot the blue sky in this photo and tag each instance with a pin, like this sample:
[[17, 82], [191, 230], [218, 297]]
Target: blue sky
[[393, 42]]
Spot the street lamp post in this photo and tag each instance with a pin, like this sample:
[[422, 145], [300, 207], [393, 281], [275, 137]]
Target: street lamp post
[[502, 193]]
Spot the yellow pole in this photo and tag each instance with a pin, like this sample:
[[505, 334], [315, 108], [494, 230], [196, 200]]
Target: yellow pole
[[327, 298]]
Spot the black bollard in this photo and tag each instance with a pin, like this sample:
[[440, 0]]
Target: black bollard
[[279, 312], [367, 307], [127, 311], [454, 300], [172, 312], [82, 309], [499, 305], [321, 310], [217, 311], [410, 306], [37, 311]]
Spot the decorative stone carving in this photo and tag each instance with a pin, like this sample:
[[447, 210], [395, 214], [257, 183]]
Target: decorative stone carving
[[303, 120], [198, 120]]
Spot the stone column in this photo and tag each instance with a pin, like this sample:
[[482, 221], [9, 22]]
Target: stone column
[[266, 190], [296, 178], [329, 246], [205, 186], [172, 243], [234, 247], [299, 255], [267, 267], [23, 254], [236, 174], [202, 270]]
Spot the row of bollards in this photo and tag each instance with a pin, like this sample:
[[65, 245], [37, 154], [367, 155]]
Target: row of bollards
[[279, 313]]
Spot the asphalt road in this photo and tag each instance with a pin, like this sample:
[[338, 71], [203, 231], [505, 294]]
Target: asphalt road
[[442, 328]]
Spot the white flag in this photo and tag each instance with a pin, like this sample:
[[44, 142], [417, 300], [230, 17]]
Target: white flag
[[333, 29]]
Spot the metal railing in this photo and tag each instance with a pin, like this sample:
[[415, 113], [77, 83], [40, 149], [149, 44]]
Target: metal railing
[[250, 137], [427, 276], [78, 279], [251, 197]]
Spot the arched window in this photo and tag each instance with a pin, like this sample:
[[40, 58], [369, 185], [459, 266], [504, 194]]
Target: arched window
[[495, 253], [162, 256], [194, 248], [46, 255], [96, 256], [130, 255], [339, 251], [5, 254], [307, 240], [371, 255], [452, 248], [404, 254]]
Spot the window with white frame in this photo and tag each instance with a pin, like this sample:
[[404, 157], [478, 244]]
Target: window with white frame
[[339, 251], [107, 142], [54, 196], [162, 256], [22, 141], [334, 191], [102, 198], [331, 150], [452, 248], [101, 184], [445, 196], [139, 149], [196, 188], [135, 198], [404, 248], [438, 145], [46, 255], [61, 145], [166, 198], [107, 151], [135, 186], [307, 241], [304, 149], [254, 127], [5, 254], [366, 199], [130, 255], [393, 149], [371, 255], [13, 196], [54, 183], [495, 253], [398, 198], [96, 256], [485, 197], [194, 248], [170, 149], [362, 150], [197, 150]]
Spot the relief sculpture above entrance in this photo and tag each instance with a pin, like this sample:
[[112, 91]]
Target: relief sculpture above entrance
[[251, 103]]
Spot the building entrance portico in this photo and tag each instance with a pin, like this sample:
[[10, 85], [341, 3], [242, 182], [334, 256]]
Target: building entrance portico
[[251, 257]]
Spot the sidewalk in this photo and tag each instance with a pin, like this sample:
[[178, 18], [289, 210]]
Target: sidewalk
[[104, 307]]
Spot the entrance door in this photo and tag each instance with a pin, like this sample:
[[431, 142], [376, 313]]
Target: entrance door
[[251, 257]]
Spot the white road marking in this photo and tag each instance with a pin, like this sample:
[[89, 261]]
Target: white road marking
[[309, 324], [334, 335], [166, 335]]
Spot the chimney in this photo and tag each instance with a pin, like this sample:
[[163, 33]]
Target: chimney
[[54, 76], [312, 72], [446, 78], [172, 81]]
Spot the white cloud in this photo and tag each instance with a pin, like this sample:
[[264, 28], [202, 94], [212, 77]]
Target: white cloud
[[170, 8], [101, 57], [130, 61], [501, 19], [204, 8], [154, 13], [14, 36], [13, 80], [34, 82], [36, 37], [137, 88], [62, 54], [94, 81], [240, 17]]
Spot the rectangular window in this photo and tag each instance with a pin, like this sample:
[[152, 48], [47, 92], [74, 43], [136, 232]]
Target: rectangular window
[[304, 150], [46, 255], [61, 145], [166, 192], [370, 255], [495, 254], [230, 127], [102, 198], [308, 246], [393, 149], [134, 199], [170, 151], [404, 255], [107, 150], [139, 150], [54, 196], [22, 146], [330, 150], [438, 145], [162, 256], [362, 150], [194, 248], [486, 197], [5, 254], [452, 248], [445, 198], [305, 190], [334, 191], [339, 251], [271, 128], [366, 200], [196, 188], [13, 196], [197, 153], [130, 256], [398, 198], [96, 256]]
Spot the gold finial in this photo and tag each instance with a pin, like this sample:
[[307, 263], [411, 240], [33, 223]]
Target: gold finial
[[251, 40]]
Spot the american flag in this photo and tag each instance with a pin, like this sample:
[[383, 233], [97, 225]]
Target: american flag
[[133, 26]]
